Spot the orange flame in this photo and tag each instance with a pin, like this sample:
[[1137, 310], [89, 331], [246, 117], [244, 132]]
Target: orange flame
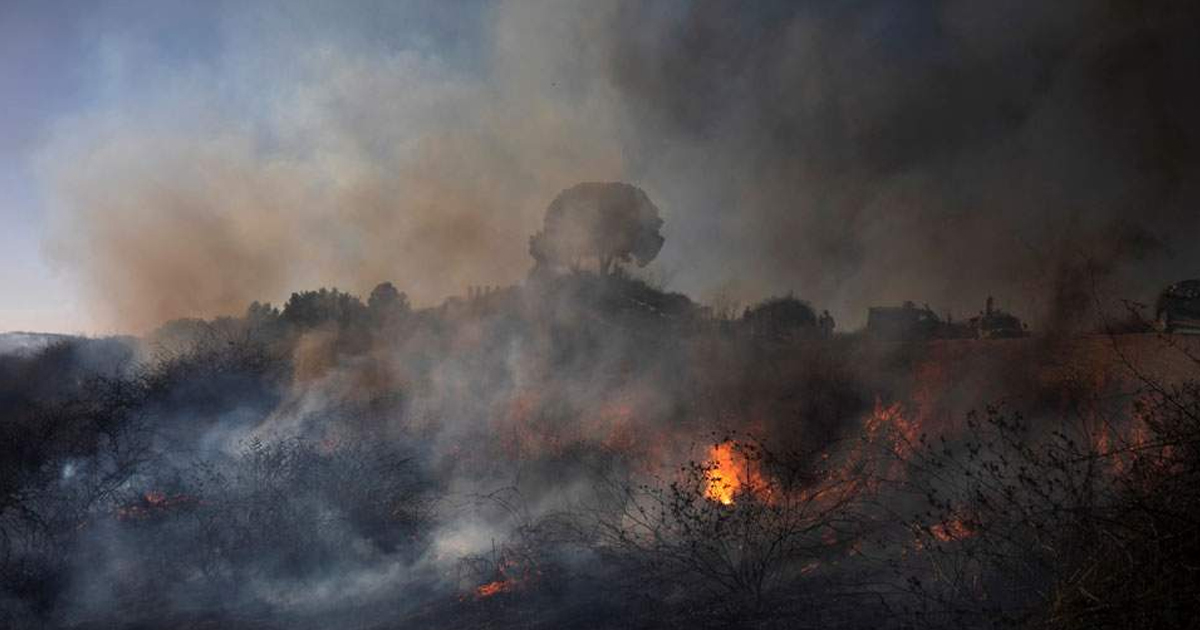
[[155, 502], [491, 588], [722, 477], [890, 424], [951, 530], [1125, 447]]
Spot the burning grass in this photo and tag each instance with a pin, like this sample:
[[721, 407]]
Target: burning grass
[[364, 461], [726, 470]]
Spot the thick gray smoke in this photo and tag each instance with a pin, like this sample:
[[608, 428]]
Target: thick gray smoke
[[340, 456], [870, 152], [855, 153]]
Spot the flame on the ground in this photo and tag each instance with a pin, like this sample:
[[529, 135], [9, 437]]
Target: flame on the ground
[[951, 530], [154, 503], [722, 477], [891, 424], [1127, 447], [491, 588]]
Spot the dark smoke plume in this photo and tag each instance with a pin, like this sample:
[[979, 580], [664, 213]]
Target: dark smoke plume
[[561, 448], [870, 152]]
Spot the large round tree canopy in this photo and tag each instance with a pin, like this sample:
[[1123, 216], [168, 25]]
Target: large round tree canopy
[[609, 222]]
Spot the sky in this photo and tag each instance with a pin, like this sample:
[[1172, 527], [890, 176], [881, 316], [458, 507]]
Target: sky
[[41, 77], [165, 159], [65, 59], [59, 59]]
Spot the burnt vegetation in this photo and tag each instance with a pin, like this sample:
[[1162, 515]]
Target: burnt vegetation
[[586, 450]]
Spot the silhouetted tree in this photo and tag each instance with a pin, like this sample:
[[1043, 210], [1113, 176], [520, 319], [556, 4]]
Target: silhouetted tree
[[780, 318], [386, 304], [612, 222], [260, 313], [309, 309]]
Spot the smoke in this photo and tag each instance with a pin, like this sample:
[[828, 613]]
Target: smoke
[[868, 152], [302, 161], [855, 153]]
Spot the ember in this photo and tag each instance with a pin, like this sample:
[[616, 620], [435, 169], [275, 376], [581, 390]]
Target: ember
[[952, 530], [890, 423], [154, 503]]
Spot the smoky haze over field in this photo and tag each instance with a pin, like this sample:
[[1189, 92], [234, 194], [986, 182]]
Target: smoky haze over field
[[511, 315], [855, 153]]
